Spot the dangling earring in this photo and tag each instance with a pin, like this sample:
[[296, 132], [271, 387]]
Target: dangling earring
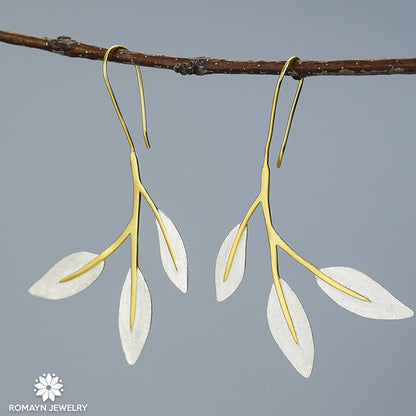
[[287, 320], [77, 271]]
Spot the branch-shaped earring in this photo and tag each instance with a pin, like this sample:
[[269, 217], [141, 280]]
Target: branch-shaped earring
[[288, 322], [77, 271]]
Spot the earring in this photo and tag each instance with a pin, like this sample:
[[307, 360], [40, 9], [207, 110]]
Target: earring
[[77, 271], [288, 323]]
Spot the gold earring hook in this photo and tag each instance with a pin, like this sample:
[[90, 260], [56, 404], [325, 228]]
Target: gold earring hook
[[113, 99], [292, 111]]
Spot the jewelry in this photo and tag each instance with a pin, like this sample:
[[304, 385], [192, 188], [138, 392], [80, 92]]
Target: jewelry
[[77, 271], [288, 323]]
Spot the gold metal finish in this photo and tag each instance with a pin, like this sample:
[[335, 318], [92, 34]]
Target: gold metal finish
[[113, 98], [139, 190], [275, 240]]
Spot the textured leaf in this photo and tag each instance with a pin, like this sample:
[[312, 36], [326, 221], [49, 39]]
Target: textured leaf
[[178, 276], [301, 354], [48, 286], [383, 304], [235, 276], [133, 339]]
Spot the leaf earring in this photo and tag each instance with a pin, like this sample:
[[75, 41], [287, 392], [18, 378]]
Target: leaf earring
[[287, 320], [77, 271]]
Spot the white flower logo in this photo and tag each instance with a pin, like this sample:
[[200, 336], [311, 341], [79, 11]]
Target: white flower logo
[[48, 386]]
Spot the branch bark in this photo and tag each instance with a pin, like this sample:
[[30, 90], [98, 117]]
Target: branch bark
[[64, 45]]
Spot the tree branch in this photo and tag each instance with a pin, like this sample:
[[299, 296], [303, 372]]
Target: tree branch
[[64, 45]]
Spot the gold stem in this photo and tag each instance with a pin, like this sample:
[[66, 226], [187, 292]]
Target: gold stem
[[283, 245], [109, 250], [153, 207], [238, 236], [279, 291], [134, 261]]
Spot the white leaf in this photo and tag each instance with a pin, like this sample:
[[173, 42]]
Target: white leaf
[[301, 354], [133, 339], [179, 275], [49, 286], [382, 305], [235, 276]]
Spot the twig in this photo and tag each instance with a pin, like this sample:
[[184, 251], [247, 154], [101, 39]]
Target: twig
[[64, 45]]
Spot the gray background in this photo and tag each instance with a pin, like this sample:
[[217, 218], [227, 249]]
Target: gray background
[[344, 196]]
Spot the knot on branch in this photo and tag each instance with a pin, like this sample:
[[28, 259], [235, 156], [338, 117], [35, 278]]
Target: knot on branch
[[191, 67], [60, 44]]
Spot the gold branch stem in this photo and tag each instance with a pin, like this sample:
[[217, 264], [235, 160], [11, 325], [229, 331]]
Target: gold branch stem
[[153, 207], [132, 229], [102, 256], [238, 236], [134, 241], [279, 290]]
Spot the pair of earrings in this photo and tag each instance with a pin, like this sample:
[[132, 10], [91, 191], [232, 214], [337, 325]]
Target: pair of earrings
[[287, 319]]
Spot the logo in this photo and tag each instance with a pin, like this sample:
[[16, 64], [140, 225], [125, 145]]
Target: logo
[[48, 386]]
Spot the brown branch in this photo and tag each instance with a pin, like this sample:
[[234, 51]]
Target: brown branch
[[64, 45]]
